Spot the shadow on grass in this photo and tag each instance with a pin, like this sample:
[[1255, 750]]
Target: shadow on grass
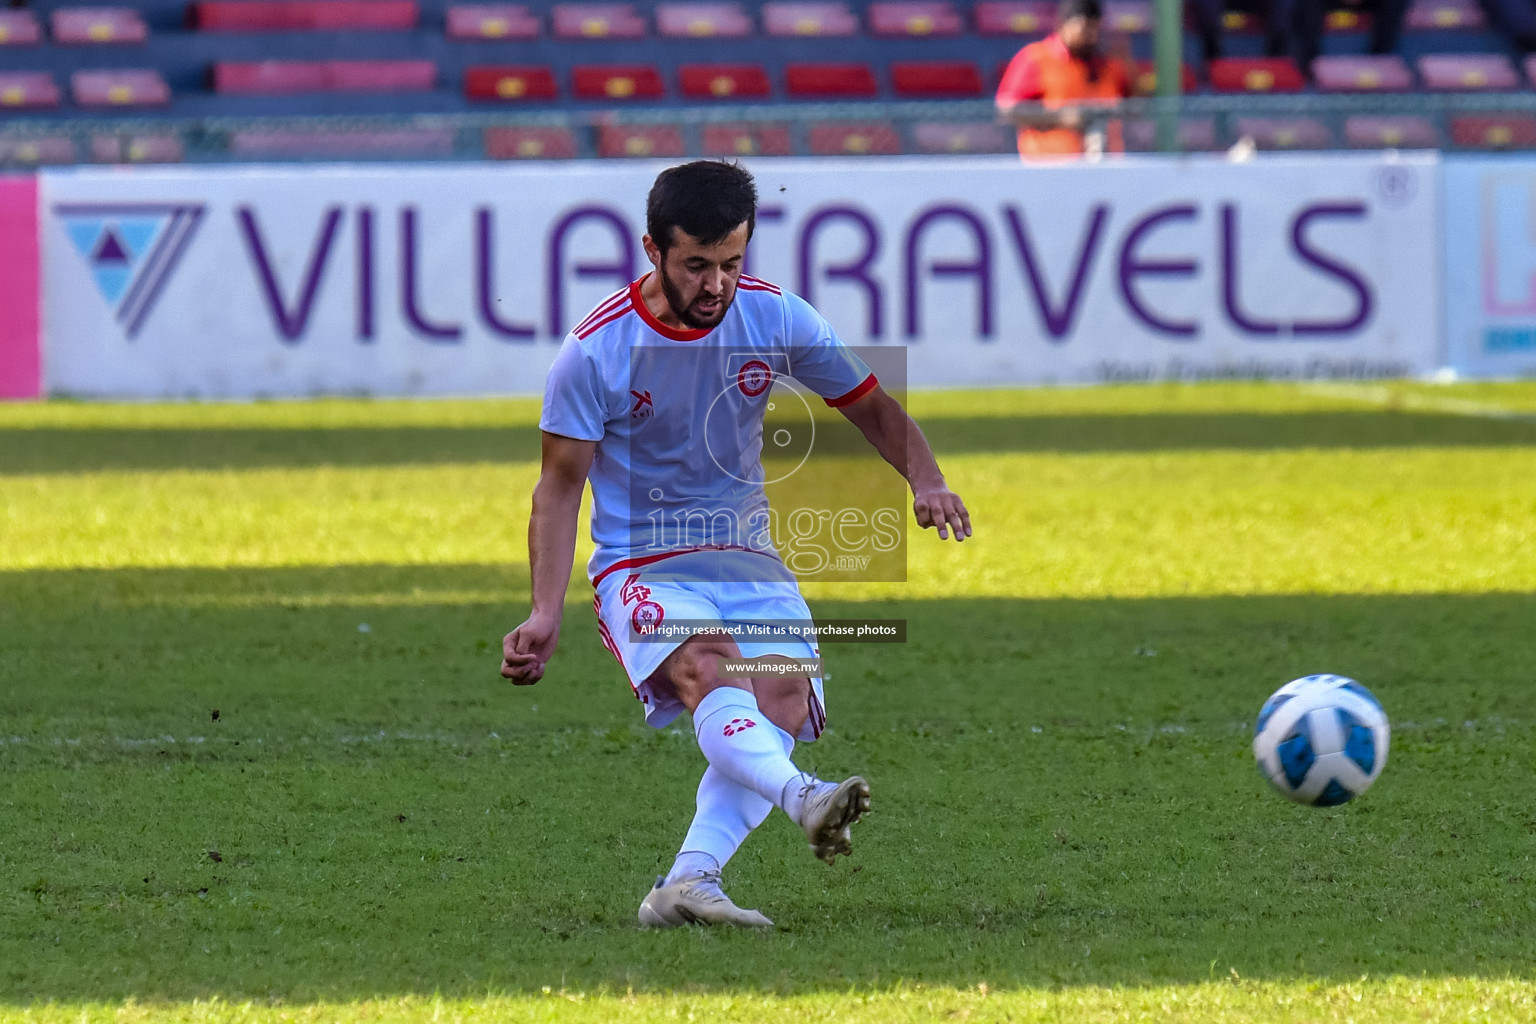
[[52, 450], [1063, 795]]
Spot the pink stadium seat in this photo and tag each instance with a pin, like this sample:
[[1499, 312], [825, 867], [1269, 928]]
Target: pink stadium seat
[[1470, 72], [1014, 17], [828, 138], [723, 81], [640, 140], [1402, 132], [18, 28], [703, 20], [305, 15], [616, 82], [914, 18], [1194, 135], [747, 140], [598, 21], [391, 143], [1385, 73], [510, 82], [281, 77], [530, 142], [1129, 17], [1255, 74], [138, 87], [382, 75], [98, 25], [940, 78], [492, 21], [21, 90], [821, 80], [137, 149], [1494, 131], [962, 137], [1284, 132], [48, 149], [809, 19], [1426, 15]]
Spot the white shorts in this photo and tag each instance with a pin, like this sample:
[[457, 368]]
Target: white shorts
[[628, 598]]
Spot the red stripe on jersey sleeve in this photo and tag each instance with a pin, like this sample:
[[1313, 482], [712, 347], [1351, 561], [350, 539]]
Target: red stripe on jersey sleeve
[[617, 314], [606, 306], [869, 384]]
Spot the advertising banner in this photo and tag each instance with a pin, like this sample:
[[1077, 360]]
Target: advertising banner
[[1490, 266], [404, 280], [20, 375]]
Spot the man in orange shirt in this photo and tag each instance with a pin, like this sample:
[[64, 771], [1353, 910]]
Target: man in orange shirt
[[1064, 73]]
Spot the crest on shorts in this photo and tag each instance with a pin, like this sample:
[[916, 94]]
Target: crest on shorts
[[646, 617], [754, 377]]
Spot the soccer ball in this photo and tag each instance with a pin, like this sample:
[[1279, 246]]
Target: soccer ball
[[1321, 740]]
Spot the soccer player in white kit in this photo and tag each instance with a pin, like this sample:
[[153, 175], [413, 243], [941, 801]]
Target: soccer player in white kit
[[657, 398]]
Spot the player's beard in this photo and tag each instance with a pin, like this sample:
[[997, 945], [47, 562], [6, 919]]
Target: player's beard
[[684, 311]]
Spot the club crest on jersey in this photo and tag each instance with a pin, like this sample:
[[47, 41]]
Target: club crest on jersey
[[633, 590], [754, 377], [643, 408], [646, 617], [737, 725]]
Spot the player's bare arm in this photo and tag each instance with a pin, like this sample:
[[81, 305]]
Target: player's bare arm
[[900, 441], [551, 551]]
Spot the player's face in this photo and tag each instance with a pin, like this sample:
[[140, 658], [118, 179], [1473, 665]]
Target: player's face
[[699, 281], [1081, 36]]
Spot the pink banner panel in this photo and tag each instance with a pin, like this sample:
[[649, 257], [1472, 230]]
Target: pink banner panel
[[20, 364]]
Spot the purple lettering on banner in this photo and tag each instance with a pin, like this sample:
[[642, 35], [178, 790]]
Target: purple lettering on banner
[[1058, 322], [980, 268], [772, 214], [1132, 267], [622, 269], [1364, 300], [1229, 278], [413, 315], [856, 271], [290, 325], [365, 273], [485, 240]]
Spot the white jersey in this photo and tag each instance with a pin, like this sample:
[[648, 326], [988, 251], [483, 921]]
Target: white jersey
[[678, 418]]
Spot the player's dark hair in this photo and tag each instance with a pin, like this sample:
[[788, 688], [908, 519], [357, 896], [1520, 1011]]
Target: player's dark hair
[[1069, 9], [707, 198]]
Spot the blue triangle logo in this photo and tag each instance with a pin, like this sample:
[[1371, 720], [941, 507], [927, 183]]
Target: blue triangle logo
[[131, 249]]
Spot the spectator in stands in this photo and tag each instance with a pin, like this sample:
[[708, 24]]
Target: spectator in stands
[[1052, 88], [1294, 28], [1515, 19]]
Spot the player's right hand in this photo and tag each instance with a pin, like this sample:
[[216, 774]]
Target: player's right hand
[[527, 649]]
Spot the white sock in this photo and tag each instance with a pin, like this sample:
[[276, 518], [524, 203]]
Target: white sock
[[741, 743], [726, 814]]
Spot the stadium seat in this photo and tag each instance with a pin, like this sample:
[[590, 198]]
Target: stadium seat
[[640, 140], [1347, 19], [19, 28], [1468, 72], [598, 21], [1194, 135], [1014, 17], [510, 82], [1425, 15], [829, 138], [1494, 131], [723, 81], [21, 90], [1402, 132], [914, 18], [1144, 78], [820, 80], [1385, 73], [1255, 74], [305, 15], [1242, 23], [98, 25], [747, 140], [1128, 17], [386, 143], [616, 82], [809, 19], [48, 149], [285, 77], [530, 142], [492, 21], [137, 87], [137, 149], [962, 137], [1284, 132], [939, 78], [703, 21]]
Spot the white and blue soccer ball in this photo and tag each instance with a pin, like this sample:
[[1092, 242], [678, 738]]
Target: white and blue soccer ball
[[1322, 740]]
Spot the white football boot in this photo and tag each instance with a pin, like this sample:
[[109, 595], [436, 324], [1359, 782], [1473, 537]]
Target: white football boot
[[696, 899], [827, 809]]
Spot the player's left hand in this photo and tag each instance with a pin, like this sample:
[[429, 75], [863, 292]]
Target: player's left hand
[[942, 509]]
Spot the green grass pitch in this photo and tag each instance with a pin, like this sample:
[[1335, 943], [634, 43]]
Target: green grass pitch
[[256, 763]]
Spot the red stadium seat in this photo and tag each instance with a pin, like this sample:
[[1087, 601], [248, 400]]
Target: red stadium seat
[[1242, 23], [598, 21], [640, 140], [829, 80], [1468, 72], [616, 82], [1193, 134], [1427, 15], [19, 28], [809, 19], [1402, 132], [1284, 132], [828, 138], [962, 137], [387, 143], [703, 21], [510, 82], [935, 78], [1144, 78], [1385, 73], [1494, 131], [530, 142], [48, 149], [138, 87], [23, 90], [492, 21], [1128, 17], [747, 140], [137, 149], [723, 81], [305, 15], [1346, 19], [914, 18], [1014, 17], [98, 25], [282, 77], [1255, 74]]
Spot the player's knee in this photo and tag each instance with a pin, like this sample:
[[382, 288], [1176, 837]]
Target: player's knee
[[695, 669]]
